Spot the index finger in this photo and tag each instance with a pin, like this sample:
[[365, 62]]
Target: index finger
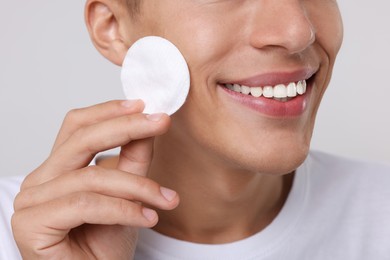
[[80, 148], [81, 117]]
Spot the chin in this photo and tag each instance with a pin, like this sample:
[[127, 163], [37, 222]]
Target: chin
[[272, 158], [244, 141]]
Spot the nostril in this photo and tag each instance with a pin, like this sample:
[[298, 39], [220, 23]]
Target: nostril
[[293, 32], [312, 35]]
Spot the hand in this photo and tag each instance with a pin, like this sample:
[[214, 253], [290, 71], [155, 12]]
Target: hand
[[69, 210]]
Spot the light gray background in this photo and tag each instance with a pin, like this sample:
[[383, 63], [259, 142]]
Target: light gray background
[[48, 66]]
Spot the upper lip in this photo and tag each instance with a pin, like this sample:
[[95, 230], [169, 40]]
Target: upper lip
[[274, 78]]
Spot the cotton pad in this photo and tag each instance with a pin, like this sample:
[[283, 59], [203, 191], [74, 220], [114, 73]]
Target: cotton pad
[[155, 71]]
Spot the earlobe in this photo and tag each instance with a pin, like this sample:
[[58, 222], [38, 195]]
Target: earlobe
[[103, 26]]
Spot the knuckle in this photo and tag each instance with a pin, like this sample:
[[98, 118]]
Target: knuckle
[[141, 158], [31, 179], [19, 201], [81, 138], [125, 208], [19, 229], [25, 182], [129, 118], [92, 177], [15, 222], [145, 185], [112, 103], [140, 182], [78, 134], [72, 116], [134, 120], [17, 225], [81, 201]]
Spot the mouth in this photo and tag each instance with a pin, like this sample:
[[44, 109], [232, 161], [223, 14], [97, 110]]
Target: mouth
[[276, 95], [279, 92]]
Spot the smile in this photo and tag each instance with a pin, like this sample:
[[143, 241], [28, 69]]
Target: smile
[[276, 95], [280, 92]]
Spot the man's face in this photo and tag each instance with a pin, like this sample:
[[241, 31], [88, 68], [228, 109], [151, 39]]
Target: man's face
[[256, 43]]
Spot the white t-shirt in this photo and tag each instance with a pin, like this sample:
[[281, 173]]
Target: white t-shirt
[[9, 187], [338, 209]]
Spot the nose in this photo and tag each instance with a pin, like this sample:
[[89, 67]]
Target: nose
[[282, 24]]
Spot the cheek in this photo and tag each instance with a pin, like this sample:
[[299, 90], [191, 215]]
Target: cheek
[[203, 38], [205, 42], [326, 19], [205, 46]]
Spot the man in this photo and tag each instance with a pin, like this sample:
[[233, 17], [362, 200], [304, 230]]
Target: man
[[233, 154]]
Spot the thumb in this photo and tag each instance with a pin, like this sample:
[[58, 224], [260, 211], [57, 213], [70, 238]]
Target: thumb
[[135, 157]]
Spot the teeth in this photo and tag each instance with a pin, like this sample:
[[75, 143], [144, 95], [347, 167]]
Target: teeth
[[237, 88], [280, 91], [245, 90], [292, 89], [301, 87], [256, 91], [268, 92], [304, 84], [229, 86]]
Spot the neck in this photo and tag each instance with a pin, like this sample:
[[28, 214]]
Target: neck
[[220, 203]]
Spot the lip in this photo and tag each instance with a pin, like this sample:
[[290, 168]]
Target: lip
[[274, 78], [270, 107]]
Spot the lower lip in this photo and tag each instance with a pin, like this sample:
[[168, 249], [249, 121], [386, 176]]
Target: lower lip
[[270, 107]]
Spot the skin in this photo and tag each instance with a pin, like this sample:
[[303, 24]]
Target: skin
[[219, 156]]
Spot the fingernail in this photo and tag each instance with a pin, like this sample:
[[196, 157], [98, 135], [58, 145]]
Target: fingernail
[[129, 103], [155, 117], [168, 194], [149, 214]]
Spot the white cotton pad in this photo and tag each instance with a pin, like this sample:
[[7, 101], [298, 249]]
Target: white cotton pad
[[155, 71]]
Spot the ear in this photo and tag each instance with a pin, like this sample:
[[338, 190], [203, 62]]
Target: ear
[[104, 19]]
